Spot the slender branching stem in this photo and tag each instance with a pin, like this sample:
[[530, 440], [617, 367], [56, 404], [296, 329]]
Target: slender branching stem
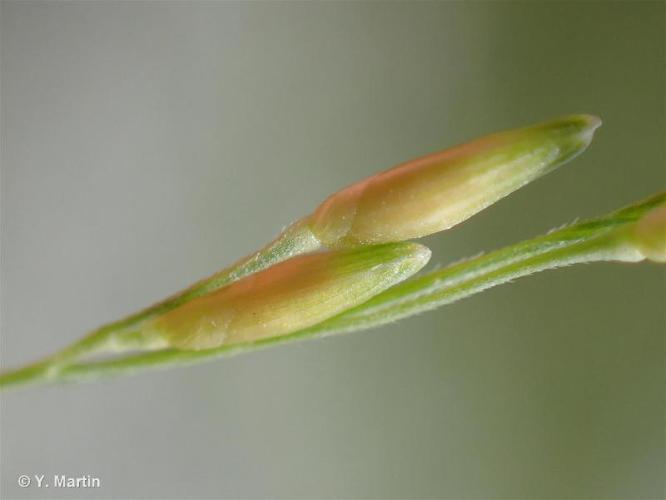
[[600, 239], [126, 334]]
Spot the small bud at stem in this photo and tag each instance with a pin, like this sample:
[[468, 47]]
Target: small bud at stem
[[649, 234], [291, 295], [440, 190]]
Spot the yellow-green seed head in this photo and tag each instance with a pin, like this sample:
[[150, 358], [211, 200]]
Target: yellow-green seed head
[[289, 296], [649, 234], [438, 191]]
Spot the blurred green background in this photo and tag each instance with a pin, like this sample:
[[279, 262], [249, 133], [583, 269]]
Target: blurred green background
[[146, 145]]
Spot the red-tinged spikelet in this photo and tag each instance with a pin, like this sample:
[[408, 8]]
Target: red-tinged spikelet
[[289, 296], [438, 191]]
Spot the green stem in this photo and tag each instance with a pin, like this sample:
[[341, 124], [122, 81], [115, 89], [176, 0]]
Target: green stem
[[599, 239], [126, 334]]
